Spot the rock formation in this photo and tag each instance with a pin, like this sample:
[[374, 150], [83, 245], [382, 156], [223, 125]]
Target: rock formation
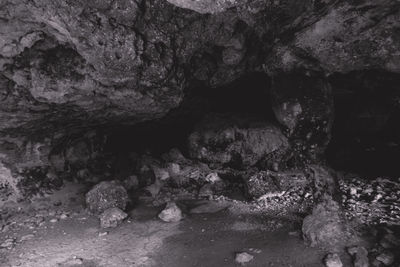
[[71, 67]]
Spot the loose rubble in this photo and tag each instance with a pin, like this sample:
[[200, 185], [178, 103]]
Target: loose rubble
[[371, 201]]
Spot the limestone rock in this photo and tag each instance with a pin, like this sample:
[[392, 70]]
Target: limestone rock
[[261, 183], [112, 217], [360, 256], [105, 195], [333, 260], [324, 226], [171, 213], [387, 258], [226, 139], [243, 257]]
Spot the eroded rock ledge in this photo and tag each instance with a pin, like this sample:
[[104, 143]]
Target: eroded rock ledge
[[67, 67]]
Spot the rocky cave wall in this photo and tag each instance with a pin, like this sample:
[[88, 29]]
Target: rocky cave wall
[[78, 70]]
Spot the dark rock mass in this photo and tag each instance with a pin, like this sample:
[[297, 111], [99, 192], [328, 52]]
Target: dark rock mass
[[70, 68]]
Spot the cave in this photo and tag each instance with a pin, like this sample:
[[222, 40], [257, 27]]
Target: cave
[[199, 133]]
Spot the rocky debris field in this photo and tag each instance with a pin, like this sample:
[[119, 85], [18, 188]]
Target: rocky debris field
[[374, 201], [179, 188]]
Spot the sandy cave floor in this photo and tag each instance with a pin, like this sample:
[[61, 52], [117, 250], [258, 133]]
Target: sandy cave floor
[[209, 239]]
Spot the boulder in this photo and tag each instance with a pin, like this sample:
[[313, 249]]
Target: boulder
[[239, 141], [112, 217], [105, 195], [324, 227]]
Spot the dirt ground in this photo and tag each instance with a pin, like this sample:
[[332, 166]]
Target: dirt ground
[[208, 239]]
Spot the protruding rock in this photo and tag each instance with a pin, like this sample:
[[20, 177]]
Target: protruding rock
[[171, 213], [105, 195], [324, 227], [261, 183], [360, 256], [238, 141], [333, 260], [243, 257], [387, 258], [112, 217]]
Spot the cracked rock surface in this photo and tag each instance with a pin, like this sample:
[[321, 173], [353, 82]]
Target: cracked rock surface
[[70, 66]]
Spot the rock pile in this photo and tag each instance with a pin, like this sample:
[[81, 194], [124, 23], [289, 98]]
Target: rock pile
[[371, 201]]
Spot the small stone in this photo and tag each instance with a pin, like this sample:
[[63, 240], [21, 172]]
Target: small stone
[[54, 220], [112, 217], [63, 216], [171, 213], [213, 177], [333, 260], [386, 258], [73, 262], [174, 169], [243, 257], [103, 234], [360, 256], [27, 237], [353, 191]]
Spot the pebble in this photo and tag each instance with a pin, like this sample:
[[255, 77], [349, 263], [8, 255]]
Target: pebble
[[386, 258], [213, 177], [63, 216], [243, 257], [112, 217], [54, 220], [333, 260], [171, 213], [103, 234]]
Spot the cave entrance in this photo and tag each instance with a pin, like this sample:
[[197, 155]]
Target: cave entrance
[[249, 95]]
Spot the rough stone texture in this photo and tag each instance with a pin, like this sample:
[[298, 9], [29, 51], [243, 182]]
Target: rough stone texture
[[303, 103], [360, 256], [105, 195], [333, 260], [238, 141], [261, 183], [171, 213], [69, 66], [324, 227], [112, 217]]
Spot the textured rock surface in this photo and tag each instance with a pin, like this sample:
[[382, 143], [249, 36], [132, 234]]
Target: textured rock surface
[[240, 141], [112, 217], [106, 195], [324, 226], [262, 183], [70, 66], [171, 213]]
